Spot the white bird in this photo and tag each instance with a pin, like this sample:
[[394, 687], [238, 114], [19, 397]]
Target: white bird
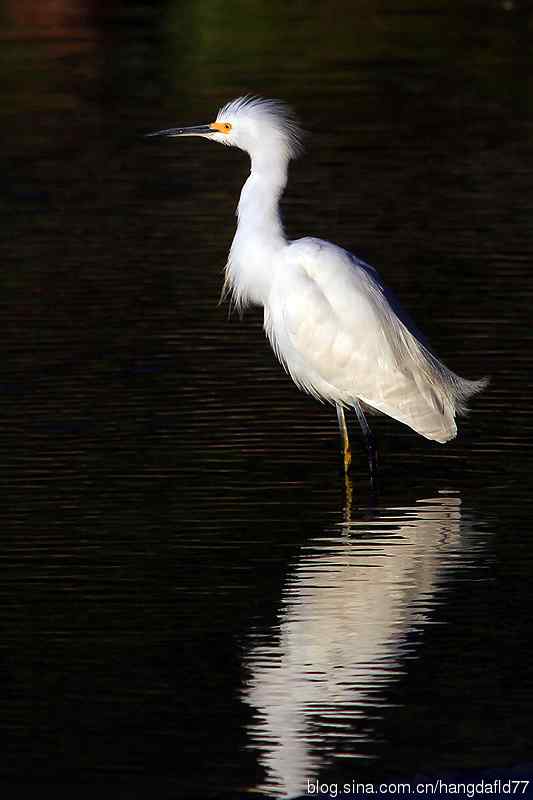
[[340, 334]]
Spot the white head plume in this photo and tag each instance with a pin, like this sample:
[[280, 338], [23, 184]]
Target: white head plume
[[258, 124]]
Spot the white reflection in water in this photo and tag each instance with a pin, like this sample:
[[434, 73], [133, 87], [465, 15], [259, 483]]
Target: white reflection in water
[[346, 612]]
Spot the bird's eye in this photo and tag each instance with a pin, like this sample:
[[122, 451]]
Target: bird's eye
[[221, 127]]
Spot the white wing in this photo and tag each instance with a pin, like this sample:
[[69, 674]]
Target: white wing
[[343, 337]]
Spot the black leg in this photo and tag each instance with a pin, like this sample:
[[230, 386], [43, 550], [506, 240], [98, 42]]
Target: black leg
[[370, 444]]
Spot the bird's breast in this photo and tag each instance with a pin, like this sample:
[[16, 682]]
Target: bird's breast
[[250, 268]]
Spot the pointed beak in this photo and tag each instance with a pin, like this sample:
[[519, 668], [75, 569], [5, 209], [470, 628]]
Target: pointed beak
[[196, 130]]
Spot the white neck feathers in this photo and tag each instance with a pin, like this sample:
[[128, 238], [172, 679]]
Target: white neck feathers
[[259, 235]]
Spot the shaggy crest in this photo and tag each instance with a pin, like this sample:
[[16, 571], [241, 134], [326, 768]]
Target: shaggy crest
[[266, 120]]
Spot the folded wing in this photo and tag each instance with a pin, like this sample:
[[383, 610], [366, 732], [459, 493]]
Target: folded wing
[[343, 336]]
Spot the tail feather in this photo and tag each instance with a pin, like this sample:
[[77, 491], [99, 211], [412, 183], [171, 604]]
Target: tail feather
[[417, 389], [444, 392], [425, 394]]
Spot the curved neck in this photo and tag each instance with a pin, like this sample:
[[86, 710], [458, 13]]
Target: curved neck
[[259, 235], [258, 209]]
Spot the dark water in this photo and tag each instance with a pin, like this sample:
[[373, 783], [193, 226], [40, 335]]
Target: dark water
[[189, 600]]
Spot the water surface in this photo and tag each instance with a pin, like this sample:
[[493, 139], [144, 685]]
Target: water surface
[[188, 595]]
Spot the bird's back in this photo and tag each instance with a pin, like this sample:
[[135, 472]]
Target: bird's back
[[343, 337]]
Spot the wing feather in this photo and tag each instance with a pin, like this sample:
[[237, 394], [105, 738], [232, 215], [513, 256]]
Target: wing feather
[[342, 336]]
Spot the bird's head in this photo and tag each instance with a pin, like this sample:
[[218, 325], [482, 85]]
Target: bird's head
[[254, 125]]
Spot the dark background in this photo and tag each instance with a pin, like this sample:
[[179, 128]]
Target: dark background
[[188, 599]]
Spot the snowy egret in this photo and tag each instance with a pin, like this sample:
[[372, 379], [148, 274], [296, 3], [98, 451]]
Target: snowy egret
[[338, 331]]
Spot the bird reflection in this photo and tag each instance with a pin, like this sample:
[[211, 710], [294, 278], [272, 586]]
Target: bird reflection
[[319, 683]]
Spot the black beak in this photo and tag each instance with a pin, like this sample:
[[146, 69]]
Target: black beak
[[196, 130]]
